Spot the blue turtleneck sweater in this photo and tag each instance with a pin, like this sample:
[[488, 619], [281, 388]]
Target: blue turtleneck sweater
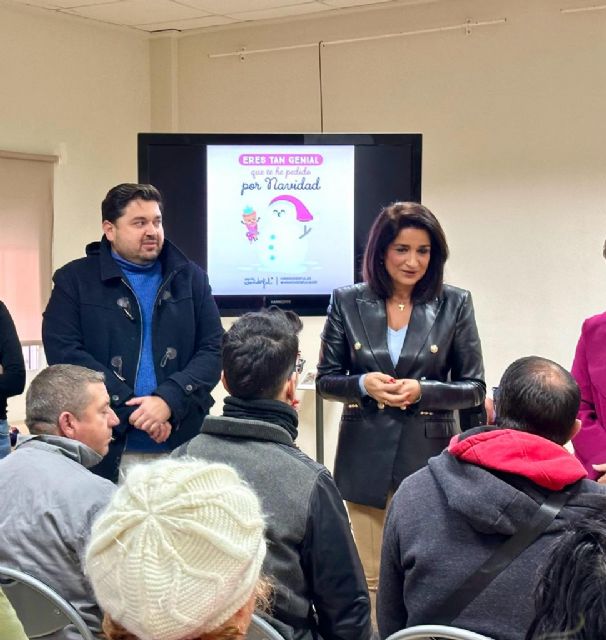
[[145, 281]]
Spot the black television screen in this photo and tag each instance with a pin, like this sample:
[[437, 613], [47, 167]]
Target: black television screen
[[277, 218]]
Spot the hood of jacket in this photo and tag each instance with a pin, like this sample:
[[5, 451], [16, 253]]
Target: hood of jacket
[[72, 449], [497, 478], [171, 257]]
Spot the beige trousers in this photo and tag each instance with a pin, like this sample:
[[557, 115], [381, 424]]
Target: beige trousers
[[367, 526]]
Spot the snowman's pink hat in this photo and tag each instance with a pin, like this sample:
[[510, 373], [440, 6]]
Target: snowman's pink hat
[[303, 214]]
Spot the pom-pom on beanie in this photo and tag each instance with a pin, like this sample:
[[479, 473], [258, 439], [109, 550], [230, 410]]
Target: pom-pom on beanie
[[178, 550]]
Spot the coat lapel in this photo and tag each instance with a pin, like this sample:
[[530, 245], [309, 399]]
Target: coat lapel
[[374, 320], [422, 319]]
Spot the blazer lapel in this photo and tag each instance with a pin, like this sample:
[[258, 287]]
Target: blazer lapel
[[422, 319], [374, 320]]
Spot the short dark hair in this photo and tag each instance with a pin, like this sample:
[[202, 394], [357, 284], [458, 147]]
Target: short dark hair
[[539, 396], [121, 195], [570, 598], [391, 220], [290, 315], [259, 354], [58, 388]]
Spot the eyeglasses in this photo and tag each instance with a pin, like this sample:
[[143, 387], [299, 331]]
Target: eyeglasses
[[299, 365]]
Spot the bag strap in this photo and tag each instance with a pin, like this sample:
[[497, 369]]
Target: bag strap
[[471, 587]]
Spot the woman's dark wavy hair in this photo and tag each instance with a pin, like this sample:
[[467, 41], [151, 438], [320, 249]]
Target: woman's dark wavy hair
[[391, 220], [570, 599]]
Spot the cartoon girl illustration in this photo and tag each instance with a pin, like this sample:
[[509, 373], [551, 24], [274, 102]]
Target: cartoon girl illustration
[[251, 222]]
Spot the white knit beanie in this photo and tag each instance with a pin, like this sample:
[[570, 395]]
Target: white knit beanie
[[178, 550]]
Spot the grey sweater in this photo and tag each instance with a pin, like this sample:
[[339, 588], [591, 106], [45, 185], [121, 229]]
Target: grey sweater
[[311, 558], [45, 522], [448, 518]]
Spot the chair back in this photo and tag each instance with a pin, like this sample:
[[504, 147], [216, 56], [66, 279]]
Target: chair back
[[40, 609], [428, 631], [261, 630]]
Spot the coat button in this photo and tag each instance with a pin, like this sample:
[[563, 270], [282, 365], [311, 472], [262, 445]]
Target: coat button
[[357, 346], [434, 348], [381, 405], [188, 388], [115, 398]]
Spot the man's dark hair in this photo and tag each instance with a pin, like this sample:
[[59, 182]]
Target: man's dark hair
[[259, 354], [121, 195], [570, 599], [538, 396], [385, 229]]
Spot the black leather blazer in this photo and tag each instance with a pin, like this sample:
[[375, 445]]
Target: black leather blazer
[[377, 448]]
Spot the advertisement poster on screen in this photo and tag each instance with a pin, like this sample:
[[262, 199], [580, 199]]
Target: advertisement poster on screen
[[280, 218]]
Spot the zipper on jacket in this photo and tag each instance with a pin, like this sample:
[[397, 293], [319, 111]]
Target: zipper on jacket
[[127, 285], [162, 290], [171, 352], [127, 305]]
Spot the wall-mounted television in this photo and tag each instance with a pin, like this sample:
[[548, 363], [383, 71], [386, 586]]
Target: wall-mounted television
[[277, 218]]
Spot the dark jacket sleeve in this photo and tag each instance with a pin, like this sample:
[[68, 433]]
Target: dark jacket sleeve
[[333, 381], [466, 387], [63, 340], [391, 610], [203, 370], [332, 567], [12, 378]]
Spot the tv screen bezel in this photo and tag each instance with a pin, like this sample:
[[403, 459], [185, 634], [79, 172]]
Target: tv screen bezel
[[303, 304]]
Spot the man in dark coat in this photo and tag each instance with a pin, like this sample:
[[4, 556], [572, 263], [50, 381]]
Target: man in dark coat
[[138, 310], [311, 561], [447, 519]]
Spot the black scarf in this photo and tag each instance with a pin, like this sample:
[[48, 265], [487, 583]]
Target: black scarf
[[273, 411]]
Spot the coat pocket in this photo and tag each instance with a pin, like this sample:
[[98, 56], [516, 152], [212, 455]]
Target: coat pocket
[[440, 427]]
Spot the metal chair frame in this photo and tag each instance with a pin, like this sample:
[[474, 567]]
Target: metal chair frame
[[427, 631], [261, 630], [62, 606]]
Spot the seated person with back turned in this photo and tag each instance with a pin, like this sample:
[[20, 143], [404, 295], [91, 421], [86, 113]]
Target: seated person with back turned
[[45, 523], [312, 562], [449, 519], [177, 554]]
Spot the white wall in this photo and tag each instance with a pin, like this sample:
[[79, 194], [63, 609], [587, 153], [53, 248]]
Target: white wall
[[68, 87], [81, 91], [512, 117]]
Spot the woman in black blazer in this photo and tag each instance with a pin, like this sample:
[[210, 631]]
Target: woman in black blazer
[[402, 352]]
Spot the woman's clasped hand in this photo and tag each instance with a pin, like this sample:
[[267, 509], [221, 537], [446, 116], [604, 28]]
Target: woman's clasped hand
[[392, 392]]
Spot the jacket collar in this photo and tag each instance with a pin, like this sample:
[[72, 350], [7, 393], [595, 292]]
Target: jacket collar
[[171, 258], [524, 454], [247, 429], [72, 449], [374, 318]]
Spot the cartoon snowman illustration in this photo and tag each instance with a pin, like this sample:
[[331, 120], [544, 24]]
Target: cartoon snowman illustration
[[284, 244]]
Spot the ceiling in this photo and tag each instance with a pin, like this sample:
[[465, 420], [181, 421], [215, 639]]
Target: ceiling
[[161, 15]]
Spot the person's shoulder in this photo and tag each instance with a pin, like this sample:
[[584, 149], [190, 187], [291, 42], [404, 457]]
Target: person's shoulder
[[85, 263], [4, 312], [175, 260], [594, 322], [414, 489], [587, 486], [450, 292], [350, 292], [193, 448]]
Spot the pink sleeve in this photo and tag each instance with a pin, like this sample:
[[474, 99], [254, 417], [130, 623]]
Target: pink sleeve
[[590, 443]]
